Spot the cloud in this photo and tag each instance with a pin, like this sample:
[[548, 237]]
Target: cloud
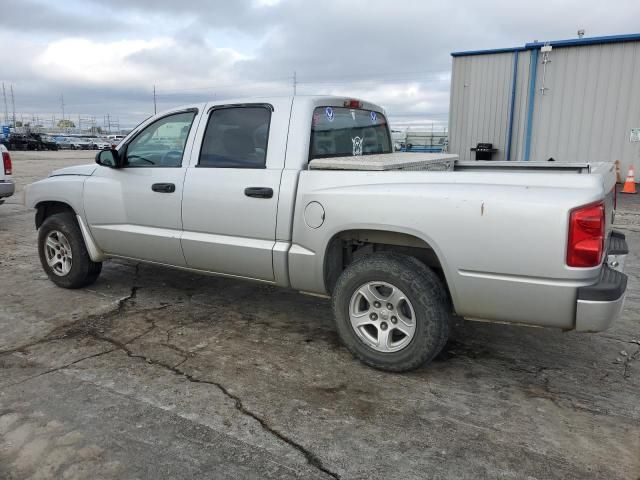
[[393, 53]]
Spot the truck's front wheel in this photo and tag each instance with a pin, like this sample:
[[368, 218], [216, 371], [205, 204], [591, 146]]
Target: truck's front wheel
[[391, 311], [63, 253]]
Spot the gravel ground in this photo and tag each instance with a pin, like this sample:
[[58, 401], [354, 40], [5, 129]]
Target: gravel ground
[[154, 373]]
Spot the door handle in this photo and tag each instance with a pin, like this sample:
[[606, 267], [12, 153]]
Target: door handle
[[258, 192], [163, 187]]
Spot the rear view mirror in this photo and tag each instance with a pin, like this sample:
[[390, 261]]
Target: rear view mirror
[[108, 158]]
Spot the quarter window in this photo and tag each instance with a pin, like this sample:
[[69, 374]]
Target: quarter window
[[162, 143], [236, 137]]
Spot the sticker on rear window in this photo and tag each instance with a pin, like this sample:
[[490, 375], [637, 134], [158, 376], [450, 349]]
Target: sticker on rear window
[[357, 146], [374, 117], [329, 113]]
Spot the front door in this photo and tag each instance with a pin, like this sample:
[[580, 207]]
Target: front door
[[231, 190], [135, 211]]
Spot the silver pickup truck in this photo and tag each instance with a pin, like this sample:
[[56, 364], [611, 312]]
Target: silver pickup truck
[[307, 193]]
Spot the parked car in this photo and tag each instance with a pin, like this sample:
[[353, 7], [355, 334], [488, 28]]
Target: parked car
[[47, 142], [21, 141], [283, 191], [74, 143], [7, 187], [99, 144], [81, 143]]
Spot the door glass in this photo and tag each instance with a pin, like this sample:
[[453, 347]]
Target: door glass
[[162, 143], [236, 137]]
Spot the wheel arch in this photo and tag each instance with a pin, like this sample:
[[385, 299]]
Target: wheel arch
[[349, 245], [47, 208]]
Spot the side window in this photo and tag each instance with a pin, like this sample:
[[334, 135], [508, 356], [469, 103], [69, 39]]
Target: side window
[[162, 143], [236, 137]]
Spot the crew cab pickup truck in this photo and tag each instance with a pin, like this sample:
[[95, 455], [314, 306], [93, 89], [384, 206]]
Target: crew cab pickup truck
[[7, 187], [280, 191]]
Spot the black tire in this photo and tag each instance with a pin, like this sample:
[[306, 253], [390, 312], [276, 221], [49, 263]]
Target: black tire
[[422, 288], [83, 270]]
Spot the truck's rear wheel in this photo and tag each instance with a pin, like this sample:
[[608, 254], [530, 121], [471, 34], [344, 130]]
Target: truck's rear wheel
[[63, 253], [391, 311]]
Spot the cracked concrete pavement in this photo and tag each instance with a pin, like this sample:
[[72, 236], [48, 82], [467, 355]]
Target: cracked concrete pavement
[[154, 373]]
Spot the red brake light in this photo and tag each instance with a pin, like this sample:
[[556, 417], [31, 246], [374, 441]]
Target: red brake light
[[586, 236], [353, 103], [6, 161]]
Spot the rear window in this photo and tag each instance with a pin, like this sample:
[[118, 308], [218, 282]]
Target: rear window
[[343, 131]]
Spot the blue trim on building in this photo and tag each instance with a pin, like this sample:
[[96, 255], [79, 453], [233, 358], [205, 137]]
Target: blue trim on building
[[632, 37], [512, 105], [533, 71], [572, 42], [485, 52]]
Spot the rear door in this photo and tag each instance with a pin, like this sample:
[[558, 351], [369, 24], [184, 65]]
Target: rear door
[[231, 189]]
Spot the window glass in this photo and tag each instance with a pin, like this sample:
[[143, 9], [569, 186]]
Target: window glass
[[236, 137], [162, 143], [342, 131]]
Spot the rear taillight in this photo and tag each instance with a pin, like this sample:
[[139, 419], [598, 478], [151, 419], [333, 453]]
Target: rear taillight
[[586, 236], [6, 161]]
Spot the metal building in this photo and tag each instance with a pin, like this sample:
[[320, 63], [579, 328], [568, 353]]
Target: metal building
[[570, 100]]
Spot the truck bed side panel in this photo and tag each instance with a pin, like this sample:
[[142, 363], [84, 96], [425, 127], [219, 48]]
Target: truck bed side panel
[[500, 237]]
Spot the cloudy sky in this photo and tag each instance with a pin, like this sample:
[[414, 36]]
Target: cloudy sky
[[105, 56]]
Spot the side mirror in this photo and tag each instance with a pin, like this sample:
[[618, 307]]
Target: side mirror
[[108, 158]]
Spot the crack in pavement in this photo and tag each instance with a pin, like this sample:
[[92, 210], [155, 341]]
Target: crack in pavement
[[90, 330], [65, 328], [627, 362], [310, 457], [62, 367]]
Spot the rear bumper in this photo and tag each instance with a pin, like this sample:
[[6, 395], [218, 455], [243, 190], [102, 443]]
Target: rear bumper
[[598, 305], [6, 188]]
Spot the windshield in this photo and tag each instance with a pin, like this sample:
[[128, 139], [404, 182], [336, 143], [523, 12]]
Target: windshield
[[343, 131]]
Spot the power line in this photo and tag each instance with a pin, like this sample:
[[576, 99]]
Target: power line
[[154, 100]]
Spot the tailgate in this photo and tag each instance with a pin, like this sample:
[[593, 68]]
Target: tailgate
[[608, 173]]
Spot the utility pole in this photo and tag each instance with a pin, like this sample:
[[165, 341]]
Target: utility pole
[[6, 110], [62, 104], [154, 100], [295, 83], [13, 106]]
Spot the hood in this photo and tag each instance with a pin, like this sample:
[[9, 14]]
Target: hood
[[84, 170]]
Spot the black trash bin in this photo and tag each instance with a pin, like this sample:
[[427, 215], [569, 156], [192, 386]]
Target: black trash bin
[[484, 151]]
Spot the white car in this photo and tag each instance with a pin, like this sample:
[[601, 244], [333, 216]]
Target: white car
[[100, 144], [7, 187]]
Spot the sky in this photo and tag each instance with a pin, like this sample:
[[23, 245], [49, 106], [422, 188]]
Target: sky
[[104, 57]]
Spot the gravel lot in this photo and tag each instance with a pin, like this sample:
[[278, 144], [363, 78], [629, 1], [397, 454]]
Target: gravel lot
[[155, 373]]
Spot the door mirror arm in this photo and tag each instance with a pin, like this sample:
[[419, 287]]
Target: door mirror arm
[[109, 158]]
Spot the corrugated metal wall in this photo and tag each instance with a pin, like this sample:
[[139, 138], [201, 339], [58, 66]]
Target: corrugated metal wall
[[480, 98], [590, 104]]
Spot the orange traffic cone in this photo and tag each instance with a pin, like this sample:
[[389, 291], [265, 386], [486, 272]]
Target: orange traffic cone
[[630, 182]]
